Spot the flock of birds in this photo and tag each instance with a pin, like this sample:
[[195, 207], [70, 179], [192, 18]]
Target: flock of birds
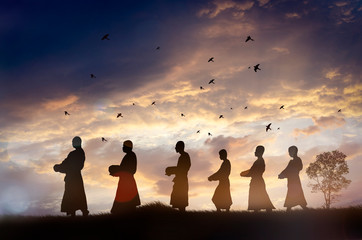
[[212, 81]]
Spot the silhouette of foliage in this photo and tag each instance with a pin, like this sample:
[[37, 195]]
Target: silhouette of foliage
[[327, 173]]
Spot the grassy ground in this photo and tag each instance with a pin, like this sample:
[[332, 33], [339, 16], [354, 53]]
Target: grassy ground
[[156, 221]]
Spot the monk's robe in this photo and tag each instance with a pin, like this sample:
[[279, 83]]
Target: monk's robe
[[222, 196], [74, 197], [127, 197], [258, 197], [295, 195]]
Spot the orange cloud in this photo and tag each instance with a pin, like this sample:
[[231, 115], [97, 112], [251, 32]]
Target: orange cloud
[[60, 103]]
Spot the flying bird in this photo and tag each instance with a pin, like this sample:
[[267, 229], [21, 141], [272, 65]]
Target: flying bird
[[268, 127], [231, 108], [104, 140], [249, 39], [133, 104], [153, 103], [158, 48], [221, 116], [256, 67], [182, 115], [282, 107], [66, 113], [92, 75], [105, 37], [278, 128], [202, 88], [211, 59], [198, 131], [209, 134], [212, 81], [246, 107], [119, 115], [340, 110]]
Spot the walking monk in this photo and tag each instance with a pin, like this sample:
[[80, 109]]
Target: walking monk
[[74, 195], [295, 195], [127, 197], [258, 197], [222, 196], [179, 195]]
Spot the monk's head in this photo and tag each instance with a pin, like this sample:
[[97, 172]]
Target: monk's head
[[223, 154], [127, 146], [293, 151], [180, 147], [77, 142], [259, 151]]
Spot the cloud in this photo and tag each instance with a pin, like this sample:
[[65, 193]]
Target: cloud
[[60, 103], [281, 50], [223, 5], [319, 124], [306, 131], [292, 15]]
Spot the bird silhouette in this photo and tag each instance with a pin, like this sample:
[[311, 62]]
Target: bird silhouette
[[256, 67], [66, 113], [119, 115], [340, 110], [105, 37], [211, 59], [246, 107], [268, 127], [202, 88], [249, 39], [104, 140], [209, 134], [133, 104], [221, 116], [92, 75], [282, 107], [198, 131], [182, 115], [153, 103], [278, 128], [158, 48], [231, 108], [212, 81]]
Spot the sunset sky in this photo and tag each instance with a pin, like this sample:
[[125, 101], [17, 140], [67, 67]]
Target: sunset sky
[[310, 57]]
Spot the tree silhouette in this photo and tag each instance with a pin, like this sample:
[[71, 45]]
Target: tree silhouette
[[327, 173]]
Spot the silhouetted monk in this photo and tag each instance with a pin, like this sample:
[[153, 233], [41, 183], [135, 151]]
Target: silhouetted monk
[[295, 195], [222, 196], [74, 195], [127, 197], [258, 197], [179, 195]]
